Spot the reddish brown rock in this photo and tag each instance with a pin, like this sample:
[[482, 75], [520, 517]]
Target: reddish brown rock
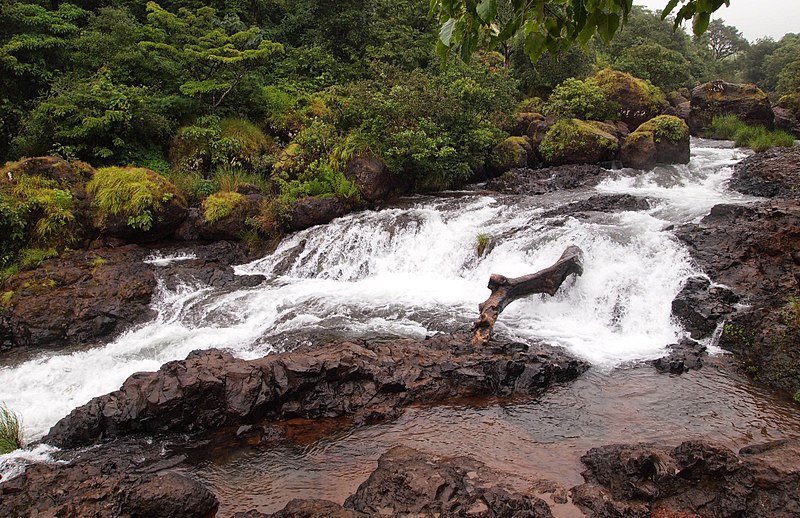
[[371, 381], [311, 211], [775, 173], [371, 176]]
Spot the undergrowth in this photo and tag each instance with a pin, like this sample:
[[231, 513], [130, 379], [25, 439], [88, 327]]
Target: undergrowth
[[757, 138], [129, 191], [10, 430]]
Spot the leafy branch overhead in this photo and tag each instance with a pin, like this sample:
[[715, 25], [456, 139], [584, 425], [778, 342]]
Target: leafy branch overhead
[[546, 25]]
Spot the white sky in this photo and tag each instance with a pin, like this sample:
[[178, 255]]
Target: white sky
[[755, 18]]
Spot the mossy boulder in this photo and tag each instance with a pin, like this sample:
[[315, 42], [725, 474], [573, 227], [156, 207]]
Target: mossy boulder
[[135, 204], [518, 126], [511, 153], [639, 100], [661, 140], [746, 101], [573, 141], [787, 114]]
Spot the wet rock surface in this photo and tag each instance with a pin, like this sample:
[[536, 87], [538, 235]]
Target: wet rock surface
[[684, 356], [696, 478], [775, 173], [316, 211], [88, 296], [700, 307], [549, 179], [411, 483], [601, 203], [753, 250], [746, 101], [122, 480], [369, 381]]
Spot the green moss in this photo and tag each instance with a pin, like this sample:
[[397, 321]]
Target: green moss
[[133, 192], [791, 102], [796, 397], [220, 205], [6, 300], [664, 127], [574, 133], [482, 242], [623, 87], [34, 257]]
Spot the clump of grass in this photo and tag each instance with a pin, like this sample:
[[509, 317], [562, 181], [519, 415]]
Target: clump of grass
[[6, 299], [10, 430], [797, 397], [129, 191], [33, 257], [220, 205], [482, 242], [757, 138]]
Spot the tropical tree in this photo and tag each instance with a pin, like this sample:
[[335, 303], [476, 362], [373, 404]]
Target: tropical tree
[[723, 40]]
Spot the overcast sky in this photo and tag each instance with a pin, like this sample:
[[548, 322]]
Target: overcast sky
[[755, 18]]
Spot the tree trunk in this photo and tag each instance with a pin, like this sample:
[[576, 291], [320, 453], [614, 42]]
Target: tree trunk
[[505, 290]]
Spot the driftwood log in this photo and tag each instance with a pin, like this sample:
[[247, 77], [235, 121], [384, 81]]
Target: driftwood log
[[505, 290]]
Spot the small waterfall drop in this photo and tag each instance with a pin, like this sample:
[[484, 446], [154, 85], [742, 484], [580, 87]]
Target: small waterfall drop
[[412, 271]]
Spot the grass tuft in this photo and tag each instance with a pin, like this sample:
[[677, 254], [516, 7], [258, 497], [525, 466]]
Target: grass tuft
[[10, 430]]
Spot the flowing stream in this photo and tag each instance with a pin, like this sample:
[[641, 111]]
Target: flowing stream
[[413, 270]]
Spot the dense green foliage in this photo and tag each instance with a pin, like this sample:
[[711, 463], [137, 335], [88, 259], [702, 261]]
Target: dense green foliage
[[134, 193]]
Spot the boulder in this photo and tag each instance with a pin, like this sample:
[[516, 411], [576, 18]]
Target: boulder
[[511, 153], [745, 101], [787, 114], [312, 211], [638, 99], [573, 141], [775, 173], [696, 478], [683, 356], [229, 227], [600, 203], [661, 140], [371, 176], [370, 381]]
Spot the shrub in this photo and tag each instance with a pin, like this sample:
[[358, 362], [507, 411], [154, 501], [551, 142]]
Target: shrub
[[320, 179], [220, 205], [135, 193], [10, 430], [724, 127], [581, 100]]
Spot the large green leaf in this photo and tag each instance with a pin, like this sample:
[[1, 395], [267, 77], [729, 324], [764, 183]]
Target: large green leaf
[[446, 32]]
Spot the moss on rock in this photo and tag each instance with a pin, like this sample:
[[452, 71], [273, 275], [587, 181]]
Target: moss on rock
[[639, 100], [573, 141], [220, 205], [513, 152], [661, 140]]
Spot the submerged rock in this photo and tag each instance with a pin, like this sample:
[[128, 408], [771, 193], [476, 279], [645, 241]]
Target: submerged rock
[[696, 478], [411, 483], [370, 381], [549, 179], [601, 203], [684, 356]]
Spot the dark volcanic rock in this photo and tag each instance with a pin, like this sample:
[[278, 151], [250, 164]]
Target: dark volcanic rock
[[371, 176], [601, 203], [684, 356], [549, 179], [753, 249], [87, 296], [411, 483], [315, 211], [106, 482], [699, 306], [775, 173], [372, 381], [697, 478], [746, 101]]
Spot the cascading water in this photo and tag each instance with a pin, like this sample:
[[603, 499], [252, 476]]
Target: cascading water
[[414, 270]]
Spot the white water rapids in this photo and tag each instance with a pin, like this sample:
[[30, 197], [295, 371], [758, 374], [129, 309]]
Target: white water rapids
[[412, 271]]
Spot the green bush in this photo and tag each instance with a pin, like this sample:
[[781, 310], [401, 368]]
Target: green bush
[[10, 430], [220, 205], [580, 100], [135, 193], [321, 180]]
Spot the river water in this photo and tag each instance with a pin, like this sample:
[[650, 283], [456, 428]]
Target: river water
[[413, 270]]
